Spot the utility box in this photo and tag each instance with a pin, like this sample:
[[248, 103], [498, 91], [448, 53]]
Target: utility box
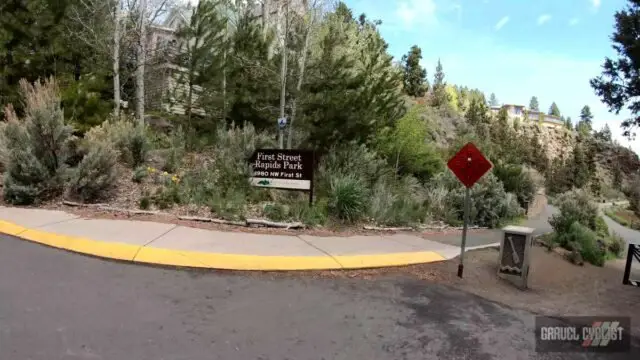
[[515, 250]]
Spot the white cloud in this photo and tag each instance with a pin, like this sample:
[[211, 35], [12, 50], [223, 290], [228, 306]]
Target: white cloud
[[502, 22], [543, 18], [595, 3], [412, 11], [574, 21]]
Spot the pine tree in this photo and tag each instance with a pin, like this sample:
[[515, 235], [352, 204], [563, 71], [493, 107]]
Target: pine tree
[[493, 100], [580, 167], [440, 96], [350, 96], [533, 104], [202, 48], [34, 44], [414, 76], [554, 110], [604, 134], [477, 114], [568, 123], [252, 87], [585, 125]]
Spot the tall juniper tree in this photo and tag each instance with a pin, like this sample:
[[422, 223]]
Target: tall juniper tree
[[533, 104], [440, 96], [414, 75]]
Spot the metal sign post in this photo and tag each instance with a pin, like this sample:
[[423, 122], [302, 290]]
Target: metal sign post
[[633, 252], [467, 205], [468, 165]]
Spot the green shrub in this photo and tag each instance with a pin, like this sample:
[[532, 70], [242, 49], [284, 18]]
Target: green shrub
[[406, 147], [490, 204], [96, 174], [139, 174], [602, 229], [36, 146], [349, 198], [616, 245], [585, 241], [515, 180], [145, 203], [176, 151], [231, 206], [275, 212], [574, 206], [165, 197], [398, 202], [348, 159], [128, 137], [313, 215]]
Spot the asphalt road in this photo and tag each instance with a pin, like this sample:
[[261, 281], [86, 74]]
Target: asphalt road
[[57, 305]]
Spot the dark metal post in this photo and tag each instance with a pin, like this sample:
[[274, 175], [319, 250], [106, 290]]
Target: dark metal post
[[313, 164], [467, 204], [627, 266]]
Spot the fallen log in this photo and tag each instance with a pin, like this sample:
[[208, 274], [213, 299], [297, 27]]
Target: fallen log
[[296, 225], [128, 211], [211, 220], [77, 204], [375, 228]]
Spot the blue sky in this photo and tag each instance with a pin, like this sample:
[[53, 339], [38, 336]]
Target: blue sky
[[513, 48]]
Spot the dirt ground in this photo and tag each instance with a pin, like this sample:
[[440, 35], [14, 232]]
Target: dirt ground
[[556, 287]]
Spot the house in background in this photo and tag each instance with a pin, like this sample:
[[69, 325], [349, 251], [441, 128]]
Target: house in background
[[162, 77], [519, 112]]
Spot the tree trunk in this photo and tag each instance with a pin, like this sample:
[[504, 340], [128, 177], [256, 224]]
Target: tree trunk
[[142, 58], [283, 74], [303, 64], [116, 61]]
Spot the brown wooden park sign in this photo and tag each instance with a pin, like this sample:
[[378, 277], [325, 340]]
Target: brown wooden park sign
[[288, 169]]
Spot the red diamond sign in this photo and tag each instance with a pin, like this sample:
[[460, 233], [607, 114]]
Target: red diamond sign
[[469, 165]]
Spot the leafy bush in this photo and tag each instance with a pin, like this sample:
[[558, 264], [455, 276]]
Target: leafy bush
[[126, 135], [96, 174], [313, 215], [515, 180], [145, 203], [398, 202], [616, 245], [574, 206], [139, 174], [406, 147], [349, 198], [36, 146], [602, 229], [490, 204], [176, 150], [275, 212], [584, 240], [348, 159]]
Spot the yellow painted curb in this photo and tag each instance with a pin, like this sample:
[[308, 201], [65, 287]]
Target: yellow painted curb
[[10, 229], [388, 260], [234, 261], [181, 258]]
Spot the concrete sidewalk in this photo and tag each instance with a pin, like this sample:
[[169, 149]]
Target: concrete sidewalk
[[169, 244]]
